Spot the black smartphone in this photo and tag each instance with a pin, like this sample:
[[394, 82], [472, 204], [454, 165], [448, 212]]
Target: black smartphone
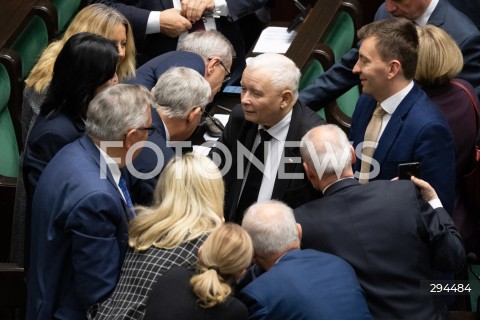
[[407, 170]]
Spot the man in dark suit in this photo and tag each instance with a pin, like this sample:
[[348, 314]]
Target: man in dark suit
[[158, 25], [412, 128], [208, 52], [296, 284], [80, 212], [181, 95], [339, 78], [384, 229], [269, 105]]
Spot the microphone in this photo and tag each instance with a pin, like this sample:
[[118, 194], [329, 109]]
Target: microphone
[[300, 17]]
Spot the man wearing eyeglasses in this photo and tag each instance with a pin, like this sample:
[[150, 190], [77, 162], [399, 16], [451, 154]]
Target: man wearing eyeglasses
[[208, 52], [181, 95], [80, 211]]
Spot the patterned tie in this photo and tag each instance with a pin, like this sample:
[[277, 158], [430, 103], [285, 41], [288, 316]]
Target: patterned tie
[[123, 186], [253, 180], [371, 136]]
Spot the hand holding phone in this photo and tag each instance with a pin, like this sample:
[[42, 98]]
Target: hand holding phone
[[407, 170]]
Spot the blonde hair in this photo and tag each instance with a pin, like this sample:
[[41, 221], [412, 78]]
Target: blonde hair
[[98, 19], [188, 203], [226, 252], [439, 57]]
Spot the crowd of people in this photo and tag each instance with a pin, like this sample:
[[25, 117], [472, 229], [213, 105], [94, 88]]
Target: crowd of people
[[286, 216]]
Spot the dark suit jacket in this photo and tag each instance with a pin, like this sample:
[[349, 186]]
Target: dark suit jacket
[[339, 78], [457, 108], [293, 192], [308, 285], [152, 45], [417, 131], [148, 73], [151, 160], [80, 235], [47, 137], [172, 298], [391, 237]]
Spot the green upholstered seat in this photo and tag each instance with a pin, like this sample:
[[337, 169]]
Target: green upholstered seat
[[312, 70], [31, 42], [9, 155], [340, 37], [66, 9]]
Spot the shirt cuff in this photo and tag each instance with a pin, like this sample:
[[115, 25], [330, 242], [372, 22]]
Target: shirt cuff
[[221, 8], [435, 203], [153, 23]]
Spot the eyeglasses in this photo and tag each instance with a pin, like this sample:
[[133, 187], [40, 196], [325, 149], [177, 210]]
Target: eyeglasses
[[203, 119], [150, 129], [228, 74]]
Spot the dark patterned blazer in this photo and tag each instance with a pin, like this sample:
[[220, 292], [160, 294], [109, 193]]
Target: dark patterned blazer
[[140, 270]]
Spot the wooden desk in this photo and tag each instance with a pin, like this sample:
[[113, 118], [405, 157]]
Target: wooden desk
[[12, 15]]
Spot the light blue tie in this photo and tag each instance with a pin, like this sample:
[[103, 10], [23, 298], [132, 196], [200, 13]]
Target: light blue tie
[[123, 186]]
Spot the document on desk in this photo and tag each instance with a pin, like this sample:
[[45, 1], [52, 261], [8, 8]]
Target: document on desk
[[274, 39]]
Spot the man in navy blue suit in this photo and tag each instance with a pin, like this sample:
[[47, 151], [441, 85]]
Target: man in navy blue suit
[[159, 24], [81, 209], [413, 129], [208, 52], [339, 78], [390, 235], [181, 95], [296, 284]]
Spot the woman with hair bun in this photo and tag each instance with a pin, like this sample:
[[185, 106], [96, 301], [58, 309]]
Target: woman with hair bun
[[205, 293]]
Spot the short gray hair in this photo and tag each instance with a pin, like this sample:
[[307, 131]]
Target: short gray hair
[[116, 110], [272, 227], [208, 44], [179, 90], [329, 142], [284, 74]]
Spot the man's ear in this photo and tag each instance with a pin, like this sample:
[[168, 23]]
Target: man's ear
[[395, 67], [287, 98], [211, 65], [194, 113], [131, 138], [299, 228], [354, 157], [308, 172]]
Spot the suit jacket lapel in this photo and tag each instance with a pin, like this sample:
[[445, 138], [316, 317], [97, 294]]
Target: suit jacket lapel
[[437, 17], [249, 131], [92, 150], [390, 134], [294, 134]]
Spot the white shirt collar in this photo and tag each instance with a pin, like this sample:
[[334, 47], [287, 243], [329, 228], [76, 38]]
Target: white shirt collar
[[112, 165], [280, 130], [390, 104], [423, 19]]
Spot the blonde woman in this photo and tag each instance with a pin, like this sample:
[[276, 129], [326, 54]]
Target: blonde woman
[[206, 293], [188, 205], [98, 19], [439, 63]]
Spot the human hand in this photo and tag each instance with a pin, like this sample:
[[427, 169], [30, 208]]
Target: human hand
[[427, 191], [173, 23], [193, 9]]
